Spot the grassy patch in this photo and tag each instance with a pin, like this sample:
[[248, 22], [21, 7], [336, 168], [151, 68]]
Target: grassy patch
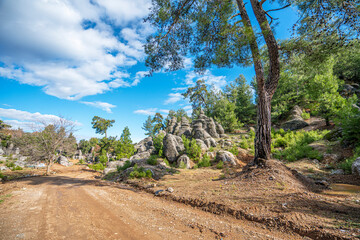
[[152, 160], [295, 145], [2, 198]]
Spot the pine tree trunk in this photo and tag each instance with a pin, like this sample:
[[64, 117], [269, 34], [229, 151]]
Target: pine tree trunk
[[263, 130]]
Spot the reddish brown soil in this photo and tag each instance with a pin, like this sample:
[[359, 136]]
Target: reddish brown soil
[[274, 195], [73, 204]]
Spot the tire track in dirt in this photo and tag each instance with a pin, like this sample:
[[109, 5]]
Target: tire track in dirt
[[75, 206]]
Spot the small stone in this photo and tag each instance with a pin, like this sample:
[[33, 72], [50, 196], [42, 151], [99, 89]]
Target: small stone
[[158, 192], [271, 178], [170, 189]]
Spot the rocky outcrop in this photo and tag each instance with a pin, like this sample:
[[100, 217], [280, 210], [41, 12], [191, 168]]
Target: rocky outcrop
[[226, 157], [173, 147], [295, 121], [185, 128], [141, 155], [144, 149], [202, 128], [62, 160], [355, 167], [1, 151]]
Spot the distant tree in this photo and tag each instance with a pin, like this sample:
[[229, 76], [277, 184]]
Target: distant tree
[[125, 147], [347, 63], [107, 146], [198, 95], [240, 93], [148, 127], [101, 125], [158, 124], [224, 113], [48, 140], [4, 125]]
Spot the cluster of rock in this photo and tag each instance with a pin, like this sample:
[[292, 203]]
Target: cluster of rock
[[204, 130], [295, 121]]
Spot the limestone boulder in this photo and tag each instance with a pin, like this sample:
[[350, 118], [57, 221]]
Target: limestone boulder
[[141, 155], [202, 145], [62, 160], [226, 157], [219, 128], [115, 164], [185, 160], [210, 142], [294, 124], [173, 147]]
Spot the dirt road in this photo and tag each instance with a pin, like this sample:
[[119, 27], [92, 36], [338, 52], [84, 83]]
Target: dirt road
[[74, 205]]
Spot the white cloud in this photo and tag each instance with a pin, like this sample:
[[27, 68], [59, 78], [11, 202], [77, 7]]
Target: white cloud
[[149, 111], [102, 105], [47, 45], [125, 11], [19, 118], [179, 89], [165, 111], [173, 98], [139, 75], [216, 81]]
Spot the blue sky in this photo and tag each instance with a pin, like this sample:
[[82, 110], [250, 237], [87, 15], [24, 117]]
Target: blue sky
[[78, 59]]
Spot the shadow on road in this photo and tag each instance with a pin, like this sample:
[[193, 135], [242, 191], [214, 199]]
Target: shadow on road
[[61, 180]]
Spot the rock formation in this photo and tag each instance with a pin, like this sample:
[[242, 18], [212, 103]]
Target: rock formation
[[173, 147], [295, 121]]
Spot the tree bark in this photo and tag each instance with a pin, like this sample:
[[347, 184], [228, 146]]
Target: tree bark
[[266, 89], [263, 129]]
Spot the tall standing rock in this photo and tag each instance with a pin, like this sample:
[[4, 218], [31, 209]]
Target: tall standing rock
[[219, 128], [173, 147], [211, 128]]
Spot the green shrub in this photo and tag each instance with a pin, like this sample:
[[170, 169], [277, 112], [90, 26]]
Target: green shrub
[[211, 149], [81, 161], [280, 142], [296, 144], [192, 149], [220, 165], [234, 150], [152, 160], [166, 162], [16, 168], [158, 144], [1, 162], [205, 162], [10, 164], [2, 175], [195, 166], [305, 115], [97, 167], [103, 159], [182, 165], [148, 173], [126, 165], [140, 173]]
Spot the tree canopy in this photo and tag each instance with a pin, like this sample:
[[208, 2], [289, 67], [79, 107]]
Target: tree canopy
[[101, 125]]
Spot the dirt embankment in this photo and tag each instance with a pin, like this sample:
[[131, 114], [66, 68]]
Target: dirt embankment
[[276, 196]]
